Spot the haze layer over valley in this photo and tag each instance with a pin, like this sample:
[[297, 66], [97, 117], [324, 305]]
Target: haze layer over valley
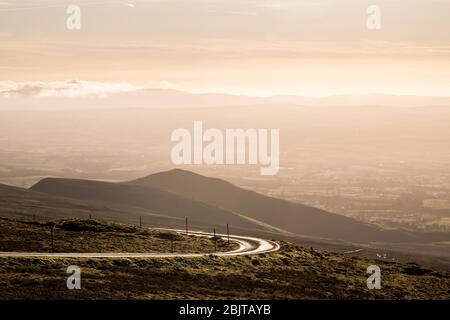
[[384, 164]]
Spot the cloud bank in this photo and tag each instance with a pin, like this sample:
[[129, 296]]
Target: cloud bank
[[71, 88]]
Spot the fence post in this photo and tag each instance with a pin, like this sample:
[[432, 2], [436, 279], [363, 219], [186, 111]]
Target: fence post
[[187, 230], [51, 234], [215, 241], [228, 232]]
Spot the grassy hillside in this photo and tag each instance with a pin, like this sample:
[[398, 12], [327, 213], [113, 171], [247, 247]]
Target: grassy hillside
[[293, 217], [24, 203], [157, 201], [292, 273], [75, 235]]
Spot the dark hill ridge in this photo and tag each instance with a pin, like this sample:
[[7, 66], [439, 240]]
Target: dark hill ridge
[[136, 197], [25, 203], [209, 202], [293, 217], [20, 202]]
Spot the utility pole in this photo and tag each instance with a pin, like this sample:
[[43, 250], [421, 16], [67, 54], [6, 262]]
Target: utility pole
[[140, 221], [228, 232], [51, 234], [215, 241], [187, 230], [90, 216]]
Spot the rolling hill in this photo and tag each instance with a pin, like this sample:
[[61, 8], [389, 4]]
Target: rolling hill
[[290, 216], [164, 199], [20, 202], [134, 199]]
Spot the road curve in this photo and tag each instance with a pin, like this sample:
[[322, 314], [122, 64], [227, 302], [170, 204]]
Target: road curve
[[247, 246]]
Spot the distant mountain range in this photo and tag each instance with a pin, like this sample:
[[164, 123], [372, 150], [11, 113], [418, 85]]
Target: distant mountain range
[[169, 98]]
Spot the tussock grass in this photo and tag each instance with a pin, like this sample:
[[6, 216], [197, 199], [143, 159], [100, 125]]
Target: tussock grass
[[78, 235], [291, 273]]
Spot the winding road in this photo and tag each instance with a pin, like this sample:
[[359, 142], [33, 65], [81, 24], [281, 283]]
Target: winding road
[[247, 246]]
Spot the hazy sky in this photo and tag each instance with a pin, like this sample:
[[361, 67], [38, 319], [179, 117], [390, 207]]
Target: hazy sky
[[254, 47]]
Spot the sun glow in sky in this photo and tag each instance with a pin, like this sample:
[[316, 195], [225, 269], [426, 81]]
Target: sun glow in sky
[[248, 47]]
